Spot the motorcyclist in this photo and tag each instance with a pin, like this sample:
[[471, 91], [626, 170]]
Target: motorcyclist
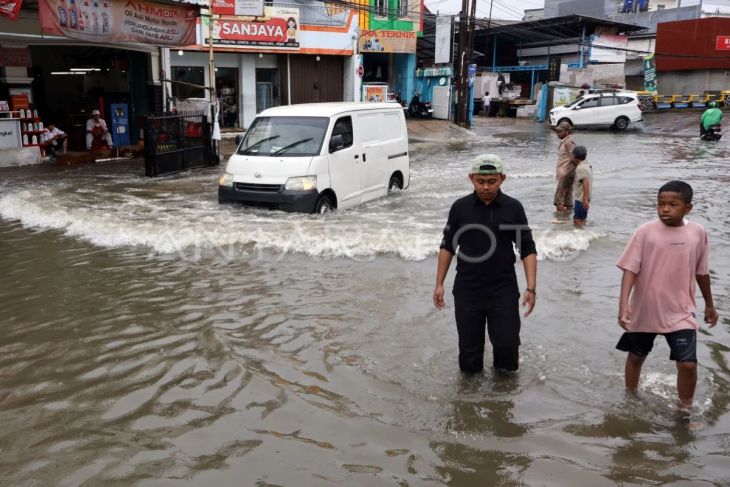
[[711, 117]]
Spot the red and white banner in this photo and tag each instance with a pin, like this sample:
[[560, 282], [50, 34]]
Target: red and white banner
[[10, 8], [279, 28], [109, 21], [241, 8], [722, 43]]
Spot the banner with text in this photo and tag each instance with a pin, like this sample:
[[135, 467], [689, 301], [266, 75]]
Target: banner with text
[[245, 8], [650, 73], [388, 41], [107, 21], [277, 29], [10, 8]]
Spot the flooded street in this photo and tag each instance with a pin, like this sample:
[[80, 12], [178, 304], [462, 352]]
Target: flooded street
[[153, 337]]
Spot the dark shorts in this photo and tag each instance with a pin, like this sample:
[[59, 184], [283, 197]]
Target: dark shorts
[[682, 344], [579, 211]]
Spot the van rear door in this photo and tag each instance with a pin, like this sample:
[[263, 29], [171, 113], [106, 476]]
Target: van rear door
[[371, 132]]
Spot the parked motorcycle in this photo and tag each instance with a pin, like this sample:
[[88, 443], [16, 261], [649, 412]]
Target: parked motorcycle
[[419, 109], [712, 134]]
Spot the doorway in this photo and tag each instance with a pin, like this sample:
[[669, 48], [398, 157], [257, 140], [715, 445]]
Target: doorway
[[267, 89], [226, 85]]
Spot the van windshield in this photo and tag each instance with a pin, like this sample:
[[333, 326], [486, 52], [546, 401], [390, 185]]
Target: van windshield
[[284, 137]]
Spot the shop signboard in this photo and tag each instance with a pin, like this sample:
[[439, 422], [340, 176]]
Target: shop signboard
[[10, 8], [395, 41], [278, 29], [444, 44], [109, 21], [239, 8]]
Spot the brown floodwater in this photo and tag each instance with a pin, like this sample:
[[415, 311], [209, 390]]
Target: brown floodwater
[[152, 337]]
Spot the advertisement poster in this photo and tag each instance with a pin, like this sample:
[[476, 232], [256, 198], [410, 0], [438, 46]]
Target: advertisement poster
[[650, 73], [444, 44], [10, 8], [239, 8], [108, 21], [278, 28], [564, 95], [608, 48], [388, 41]]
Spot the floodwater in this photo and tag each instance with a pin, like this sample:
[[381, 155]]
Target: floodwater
[[151, 337]]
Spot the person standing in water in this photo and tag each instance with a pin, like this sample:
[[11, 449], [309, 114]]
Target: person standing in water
[[481, 230], [565, 170], [661, 264]]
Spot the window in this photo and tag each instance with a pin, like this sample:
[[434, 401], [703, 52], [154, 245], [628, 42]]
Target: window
[[343, 127], [591, 103], [403, 8], [608, 101], [623, 100], [381, 8], [284, 137]]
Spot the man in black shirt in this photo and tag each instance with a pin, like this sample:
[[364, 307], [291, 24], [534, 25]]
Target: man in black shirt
[[480, 231]]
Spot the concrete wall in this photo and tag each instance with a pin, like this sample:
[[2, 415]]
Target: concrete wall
[[692, 82], [596, 75]]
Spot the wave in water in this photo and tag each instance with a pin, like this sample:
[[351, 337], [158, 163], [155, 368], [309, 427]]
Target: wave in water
[[202, 224]]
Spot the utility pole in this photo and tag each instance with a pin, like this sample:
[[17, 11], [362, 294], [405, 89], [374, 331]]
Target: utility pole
[[460, 112], [467, 61]]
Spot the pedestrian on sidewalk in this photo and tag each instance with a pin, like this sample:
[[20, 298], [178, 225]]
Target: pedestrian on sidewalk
[[486, 102], [565, 170], [483, 226]]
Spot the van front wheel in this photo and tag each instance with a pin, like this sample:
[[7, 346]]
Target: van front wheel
[[324, 205]]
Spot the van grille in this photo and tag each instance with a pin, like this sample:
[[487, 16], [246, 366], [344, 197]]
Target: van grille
[[261, 188]]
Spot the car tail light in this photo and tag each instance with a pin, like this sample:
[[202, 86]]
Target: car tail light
[[638, 103]]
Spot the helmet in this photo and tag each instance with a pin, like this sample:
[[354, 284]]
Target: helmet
[[713, 104]]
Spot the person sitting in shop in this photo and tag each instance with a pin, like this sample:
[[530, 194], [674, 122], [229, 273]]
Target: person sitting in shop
[[97, 133], [55, 140]]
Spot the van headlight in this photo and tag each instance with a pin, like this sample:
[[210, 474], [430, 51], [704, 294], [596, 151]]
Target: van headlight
[[226, 179], [304, 183]]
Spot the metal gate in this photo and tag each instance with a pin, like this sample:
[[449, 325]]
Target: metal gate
[[176, 142], [441, 102]]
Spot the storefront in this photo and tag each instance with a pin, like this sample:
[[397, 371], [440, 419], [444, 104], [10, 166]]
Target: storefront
[[64, 60], [294, 53], [389, 32]]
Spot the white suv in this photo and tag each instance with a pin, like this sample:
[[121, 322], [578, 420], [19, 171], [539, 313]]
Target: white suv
[[614, 109]]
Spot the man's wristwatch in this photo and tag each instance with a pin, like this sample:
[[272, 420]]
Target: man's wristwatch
[[531, 291]]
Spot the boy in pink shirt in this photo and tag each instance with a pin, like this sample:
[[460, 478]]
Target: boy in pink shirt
[[661, 263]]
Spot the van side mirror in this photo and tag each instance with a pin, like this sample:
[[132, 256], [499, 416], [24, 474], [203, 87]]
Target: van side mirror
[[577, 107], [337, 142], [239, 138]]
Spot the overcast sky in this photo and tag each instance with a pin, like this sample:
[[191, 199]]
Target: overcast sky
[[501, 9]]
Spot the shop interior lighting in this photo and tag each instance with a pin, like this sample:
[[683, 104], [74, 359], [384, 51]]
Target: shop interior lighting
[[61, 73], [261, 56], [180, 52], [317, 58], [85, 69]]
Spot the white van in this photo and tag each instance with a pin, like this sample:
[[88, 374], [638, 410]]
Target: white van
[[318, 157]]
